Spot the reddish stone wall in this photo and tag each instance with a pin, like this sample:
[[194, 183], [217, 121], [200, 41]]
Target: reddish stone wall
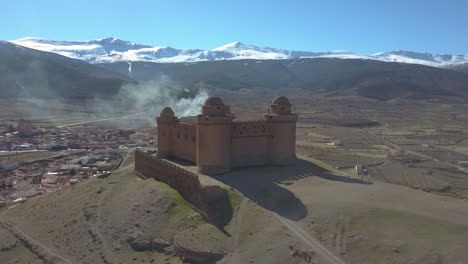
[[184, 141], [250, 151], [250, 128], [185, 182], [212, 201], [250, 143]]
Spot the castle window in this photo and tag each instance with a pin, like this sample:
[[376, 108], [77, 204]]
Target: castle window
[[185, 137], [193, 139], [282, 108], [178, 134], [218, 107], [163, 134]]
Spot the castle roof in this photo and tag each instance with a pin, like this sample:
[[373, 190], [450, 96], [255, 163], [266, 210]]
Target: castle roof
[[214, 101], [167, 110], [280, 100]]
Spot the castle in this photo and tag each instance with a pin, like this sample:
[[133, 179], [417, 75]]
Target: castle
[[217, 142]]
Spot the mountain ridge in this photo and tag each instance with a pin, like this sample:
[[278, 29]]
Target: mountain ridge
[[26, 72], [109, 50]]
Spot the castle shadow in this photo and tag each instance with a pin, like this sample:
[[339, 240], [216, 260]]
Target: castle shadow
[[265, 185]]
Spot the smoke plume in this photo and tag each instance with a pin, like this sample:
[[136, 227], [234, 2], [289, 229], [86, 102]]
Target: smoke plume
[[152, 96]]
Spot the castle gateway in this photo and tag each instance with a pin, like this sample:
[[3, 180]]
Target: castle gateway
[[216, 141]]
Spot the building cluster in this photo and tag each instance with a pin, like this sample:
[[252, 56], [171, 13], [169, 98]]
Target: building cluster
[[81, 153], [23, 180], [25, 137]]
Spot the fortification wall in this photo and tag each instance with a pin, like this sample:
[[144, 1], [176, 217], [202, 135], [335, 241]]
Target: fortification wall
[[184, 141], [185, 182], [250, 128], [212, 201], [250, 143]]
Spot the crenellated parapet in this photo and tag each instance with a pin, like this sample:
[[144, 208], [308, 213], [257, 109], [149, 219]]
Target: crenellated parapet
[[250, 128]]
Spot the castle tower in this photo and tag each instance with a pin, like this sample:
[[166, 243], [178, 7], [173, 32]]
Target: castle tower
[[283, 131], [214, 137], [25, 128], [165, 123]]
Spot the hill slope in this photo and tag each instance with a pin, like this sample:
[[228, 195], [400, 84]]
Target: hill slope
[[112, 220], [460, 67], [368, 78], [26, 72]]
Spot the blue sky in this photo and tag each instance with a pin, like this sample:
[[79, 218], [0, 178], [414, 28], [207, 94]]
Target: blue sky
[[363, 26]]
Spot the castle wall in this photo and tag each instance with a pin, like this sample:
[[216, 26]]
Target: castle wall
[[249, 151], [250, 143], [283, 138], [215, 141], [211, 201], [184, 141], [185, 182], [214, 144]]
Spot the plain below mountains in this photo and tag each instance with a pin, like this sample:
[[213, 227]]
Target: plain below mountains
[[323, 76]]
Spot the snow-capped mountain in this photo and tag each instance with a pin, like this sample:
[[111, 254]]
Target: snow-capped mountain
[[110, 50], [436, 60]]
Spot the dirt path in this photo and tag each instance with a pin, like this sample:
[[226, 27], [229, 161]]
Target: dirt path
[[340, 236], [124, 160], [238, 227], [37, 248], [107, 253], [100, 120], [47, 254], [313, 243], [235, 233]]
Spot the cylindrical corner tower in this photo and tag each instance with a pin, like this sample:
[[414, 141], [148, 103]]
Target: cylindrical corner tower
[[214, 137], [165, 122], [283, 131]]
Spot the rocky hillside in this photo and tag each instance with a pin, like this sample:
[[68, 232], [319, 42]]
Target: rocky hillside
[[123, 219]]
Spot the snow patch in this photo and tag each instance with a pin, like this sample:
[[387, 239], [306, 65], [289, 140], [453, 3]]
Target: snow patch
[[109, 50]]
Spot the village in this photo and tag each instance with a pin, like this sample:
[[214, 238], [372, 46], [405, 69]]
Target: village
[[35, 160]]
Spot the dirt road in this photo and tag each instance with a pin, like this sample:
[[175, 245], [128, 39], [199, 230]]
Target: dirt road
[[313, 243], [100, 120], [37, 248], [400, 148]]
